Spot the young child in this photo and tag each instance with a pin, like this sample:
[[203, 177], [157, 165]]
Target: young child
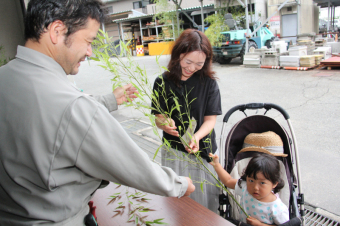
[[257, 188]]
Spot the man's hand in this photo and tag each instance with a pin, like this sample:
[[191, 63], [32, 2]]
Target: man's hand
[[191, 187], [124, 93]]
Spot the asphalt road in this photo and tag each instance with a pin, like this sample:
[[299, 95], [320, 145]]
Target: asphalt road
[[311, 98]]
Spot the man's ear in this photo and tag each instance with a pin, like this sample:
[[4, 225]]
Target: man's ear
[[57, 30]]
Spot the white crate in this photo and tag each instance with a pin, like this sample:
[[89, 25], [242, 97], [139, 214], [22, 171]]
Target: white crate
[[297, 51], [251, 62], [252, 56], [334, 45], [280, 45], [292, 59], [327, 50], [289, 64], [270, 61], [323, 52]]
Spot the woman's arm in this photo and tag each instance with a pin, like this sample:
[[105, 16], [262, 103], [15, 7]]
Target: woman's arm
[[208, 124], [166, 124]]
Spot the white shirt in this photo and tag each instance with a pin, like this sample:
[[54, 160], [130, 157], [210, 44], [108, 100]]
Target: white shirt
[[275, 212]]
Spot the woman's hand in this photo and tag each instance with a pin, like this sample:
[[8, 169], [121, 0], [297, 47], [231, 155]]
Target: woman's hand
[[194, 145], [208, 124], [167, 125]]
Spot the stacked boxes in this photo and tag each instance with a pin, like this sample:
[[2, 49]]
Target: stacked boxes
[[252, 60], [271, 58], [279, 46], [325, 51], [335, 46], [320, 42], [297, 51], [307, 61], [261, 51], [290, 61], [309, 44], [318, 59]]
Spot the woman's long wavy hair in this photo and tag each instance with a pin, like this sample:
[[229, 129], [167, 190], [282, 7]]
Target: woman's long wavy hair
[[190, 40]]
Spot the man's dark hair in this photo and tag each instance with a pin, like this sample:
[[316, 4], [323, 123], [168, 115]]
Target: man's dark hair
[[73, 13]]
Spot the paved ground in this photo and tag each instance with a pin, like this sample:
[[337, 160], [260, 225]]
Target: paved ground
[[312, 99]]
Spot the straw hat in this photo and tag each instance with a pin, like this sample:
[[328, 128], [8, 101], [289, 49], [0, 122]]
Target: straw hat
[[267, 142]]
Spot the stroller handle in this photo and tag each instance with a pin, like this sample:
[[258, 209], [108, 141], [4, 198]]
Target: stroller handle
[[253, 106]]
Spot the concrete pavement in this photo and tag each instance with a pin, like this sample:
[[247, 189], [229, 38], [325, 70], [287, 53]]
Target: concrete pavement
[[311, 98]]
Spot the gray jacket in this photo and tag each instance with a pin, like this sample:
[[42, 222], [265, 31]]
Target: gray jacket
[[57, 144]]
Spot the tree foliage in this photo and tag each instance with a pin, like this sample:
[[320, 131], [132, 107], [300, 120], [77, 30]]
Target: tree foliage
[[217, 25], [166, 14]]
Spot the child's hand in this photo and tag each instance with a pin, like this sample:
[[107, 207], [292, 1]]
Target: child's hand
[[215, 159], [253, 221]]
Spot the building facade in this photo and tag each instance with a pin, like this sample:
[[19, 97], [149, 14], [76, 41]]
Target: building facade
[[294, 18]]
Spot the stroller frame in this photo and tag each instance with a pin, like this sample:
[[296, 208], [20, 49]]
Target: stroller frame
[[224, 202]]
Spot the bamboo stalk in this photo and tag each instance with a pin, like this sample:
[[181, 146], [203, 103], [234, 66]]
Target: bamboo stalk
[[135, 80]]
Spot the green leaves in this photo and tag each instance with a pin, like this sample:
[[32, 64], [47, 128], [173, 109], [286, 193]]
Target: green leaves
[[157, 221], [216, 27], [134, 207], [155, 155], [94, 58], [126, 70]]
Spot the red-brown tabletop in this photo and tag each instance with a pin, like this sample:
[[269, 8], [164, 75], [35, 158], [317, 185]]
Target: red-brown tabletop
[[175, 211]]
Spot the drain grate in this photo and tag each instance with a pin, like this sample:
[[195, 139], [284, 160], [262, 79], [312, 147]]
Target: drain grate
[[315, 219], [137, 130]]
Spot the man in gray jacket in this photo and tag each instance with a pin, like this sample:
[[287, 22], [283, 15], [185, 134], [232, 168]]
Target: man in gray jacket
[[57, 144]]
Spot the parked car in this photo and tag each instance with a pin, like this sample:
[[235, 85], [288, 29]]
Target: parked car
[[234, 41]]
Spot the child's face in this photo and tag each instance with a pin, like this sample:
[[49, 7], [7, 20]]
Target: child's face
[[261, 188]]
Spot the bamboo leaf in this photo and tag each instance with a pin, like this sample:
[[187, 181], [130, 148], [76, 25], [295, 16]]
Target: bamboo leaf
[[94, 58], [156, 153], [128, 71], [117, 213]]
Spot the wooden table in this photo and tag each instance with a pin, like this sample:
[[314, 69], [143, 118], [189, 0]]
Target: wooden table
[[175, 211]]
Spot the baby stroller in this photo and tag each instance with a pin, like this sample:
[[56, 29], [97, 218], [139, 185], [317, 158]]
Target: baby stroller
[[235, 162]]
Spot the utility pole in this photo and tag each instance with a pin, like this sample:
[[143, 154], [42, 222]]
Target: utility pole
[[247, 27], [202, 15]]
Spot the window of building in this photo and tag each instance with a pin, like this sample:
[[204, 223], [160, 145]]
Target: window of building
[[137, 5], [142, 4]]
